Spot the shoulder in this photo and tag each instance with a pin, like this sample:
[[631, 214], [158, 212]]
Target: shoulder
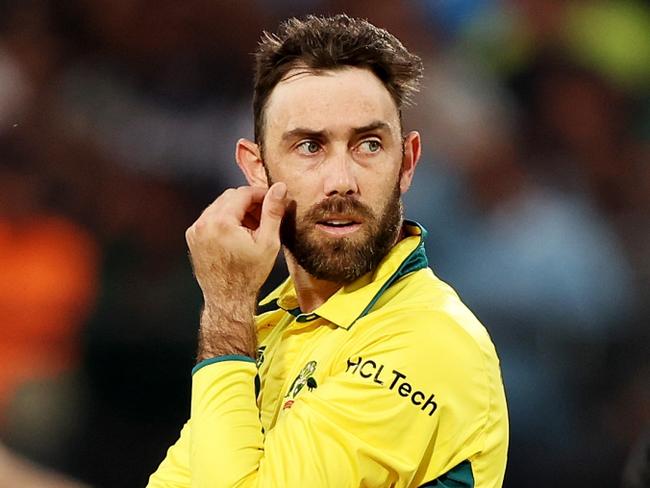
[[427, 338], [424, 313], [422, 329]]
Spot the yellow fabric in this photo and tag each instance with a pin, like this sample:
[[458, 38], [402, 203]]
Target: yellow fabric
[[397, 395]]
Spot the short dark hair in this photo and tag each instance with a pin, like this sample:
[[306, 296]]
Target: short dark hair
[[328, 43]]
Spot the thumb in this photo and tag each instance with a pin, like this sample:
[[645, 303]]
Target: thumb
[[273, 208]]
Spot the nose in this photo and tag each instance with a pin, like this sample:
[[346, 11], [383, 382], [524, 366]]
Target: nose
[[340, 177]]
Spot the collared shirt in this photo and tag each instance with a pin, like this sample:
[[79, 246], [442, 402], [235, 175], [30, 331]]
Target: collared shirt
[[391, 382]]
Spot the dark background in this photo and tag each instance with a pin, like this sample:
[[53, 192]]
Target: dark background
[[118, 120]]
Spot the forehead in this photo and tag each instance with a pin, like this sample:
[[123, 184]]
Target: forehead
[[332, 100]]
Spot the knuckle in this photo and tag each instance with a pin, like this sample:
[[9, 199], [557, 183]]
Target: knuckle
[[199, 229], [199, 226], [229, 192], [219, 223]]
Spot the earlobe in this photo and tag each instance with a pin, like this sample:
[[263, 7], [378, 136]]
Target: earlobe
[[412, 151], [249, 159]]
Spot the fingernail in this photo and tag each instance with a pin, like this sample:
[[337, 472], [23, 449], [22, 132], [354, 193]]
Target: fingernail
[[279, 190]]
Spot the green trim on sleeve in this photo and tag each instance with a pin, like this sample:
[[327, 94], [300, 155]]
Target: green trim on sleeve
[[218, 359], [460, 476]]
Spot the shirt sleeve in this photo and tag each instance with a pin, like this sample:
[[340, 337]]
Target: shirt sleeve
[[174, 471], [393, 397]]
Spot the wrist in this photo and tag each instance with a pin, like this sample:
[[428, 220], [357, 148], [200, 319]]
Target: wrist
[[227, 329]]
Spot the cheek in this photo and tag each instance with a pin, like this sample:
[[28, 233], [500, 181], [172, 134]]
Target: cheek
[[303, 186], [298, 192], [381, 186]]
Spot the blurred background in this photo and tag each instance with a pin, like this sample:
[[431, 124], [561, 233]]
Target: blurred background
[[118, 120]]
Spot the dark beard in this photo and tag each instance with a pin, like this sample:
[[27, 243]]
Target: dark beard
[[342, 260]]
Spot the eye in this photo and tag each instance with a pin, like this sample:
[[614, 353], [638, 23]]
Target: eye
[[371, 146], [308, 148]]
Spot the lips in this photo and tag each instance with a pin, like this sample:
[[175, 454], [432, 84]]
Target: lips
[[338, 225], [338, 221]]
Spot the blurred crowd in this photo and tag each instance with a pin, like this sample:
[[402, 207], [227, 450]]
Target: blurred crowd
[[117, 127]]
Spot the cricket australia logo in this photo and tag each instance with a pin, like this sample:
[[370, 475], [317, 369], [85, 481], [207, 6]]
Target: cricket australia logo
[[304, 378]]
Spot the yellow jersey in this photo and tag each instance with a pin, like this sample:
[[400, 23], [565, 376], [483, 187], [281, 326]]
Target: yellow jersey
[[392, 382]]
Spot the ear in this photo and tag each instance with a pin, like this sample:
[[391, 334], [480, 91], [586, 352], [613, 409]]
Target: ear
[[412, 151], [249, 159]]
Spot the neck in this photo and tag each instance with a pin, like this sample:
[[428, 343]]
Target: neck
[[311, 292]]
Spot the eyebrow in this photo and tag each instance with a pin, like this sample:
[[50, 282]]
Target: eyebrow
[[303, 132], [319, 134], [376, 125]]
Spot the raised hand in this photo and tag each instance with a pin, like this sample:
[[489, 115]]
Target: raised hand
[[233, 246]]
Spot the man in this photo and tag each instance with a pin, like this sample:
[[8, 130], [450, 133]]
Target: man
[[362, 369]]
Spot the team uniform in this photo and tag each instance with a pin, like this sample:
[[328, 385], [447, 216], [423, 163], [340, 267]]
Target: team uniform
[[391, 382]]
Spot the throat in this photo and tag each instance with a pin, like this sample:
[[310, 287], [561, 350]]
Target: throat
[[310, 291]]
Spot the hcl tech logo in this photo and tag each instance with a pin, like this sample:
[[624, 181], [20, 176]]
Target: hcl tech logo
[[396, 381]]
